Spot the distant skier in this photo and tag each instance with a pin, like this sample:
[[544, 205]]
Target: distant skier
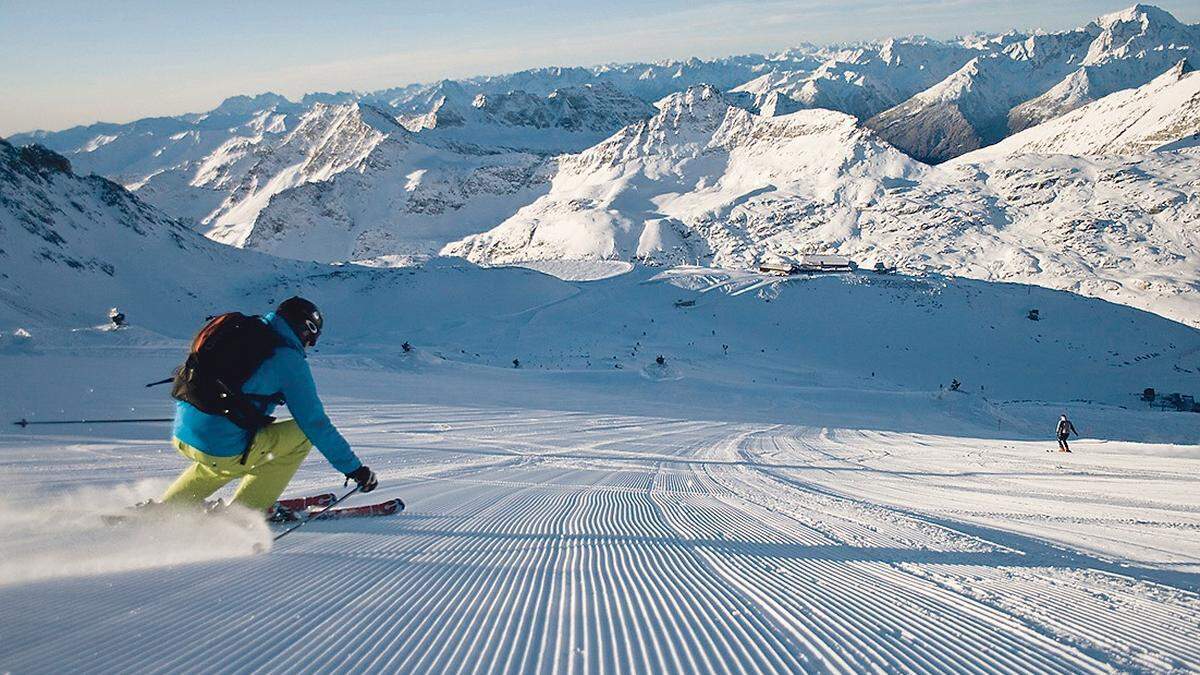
[[116, 317], [1064, 429], [266, 455]]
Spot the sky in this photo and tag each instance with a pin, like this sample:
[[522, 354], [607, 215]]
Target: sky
[[64, 63]]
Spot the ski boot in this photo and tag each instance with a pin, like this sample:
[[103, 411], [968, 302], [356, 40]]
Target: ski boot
[[281, 514], [149, 507]]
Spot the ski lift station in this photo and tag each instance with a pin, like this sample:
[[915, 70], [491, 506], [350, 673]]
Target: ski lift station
[[808, 264]]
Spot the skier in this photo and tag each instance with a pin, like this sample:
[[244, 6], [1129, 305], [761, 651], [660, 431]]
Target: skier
[[1064, 429], [266, 460]]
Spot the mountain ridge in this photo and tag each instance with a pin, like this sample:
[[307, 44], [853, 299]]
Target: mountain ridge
[[1036, 79], [1162, 114]]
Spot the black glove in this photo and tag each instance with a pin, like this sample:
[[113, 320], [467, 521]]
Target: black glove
[[364, 477]]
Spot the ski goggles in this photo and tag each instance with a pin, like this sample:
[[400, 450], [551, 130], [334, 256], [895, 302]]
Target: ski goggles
[[313, 325]]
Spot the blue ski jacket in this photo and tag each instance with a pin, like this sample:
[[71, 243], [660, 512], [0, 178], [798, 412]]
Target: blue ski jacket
[[285, 372]]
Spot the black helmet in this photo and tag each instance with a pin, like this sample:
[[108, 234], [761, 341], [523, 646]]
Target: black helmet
[[303, 317]]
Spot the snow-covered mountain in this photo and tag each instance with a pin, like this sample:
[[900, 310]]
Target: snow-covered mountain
[[132, 153], [341, 181], [931, 98], [568, 119], [646, 81], [861, 80], [746, 166], [1035, 79], [405, 200], [325, 141], [691, 170], [545, 110], [71, 244], [352, 183], [707, 180], [454, 174], [1163, 114]]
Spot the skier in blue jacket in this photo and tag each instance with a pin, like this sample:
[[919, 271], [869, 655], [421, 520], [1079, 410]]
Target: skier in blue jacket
[[215, 445]]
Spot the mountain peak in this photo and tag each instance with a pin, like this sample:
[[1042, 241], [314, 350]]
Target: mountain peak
[[244, 105], [453, 90], [335, 98], [1146, 15], [695, 96], [700, 106]]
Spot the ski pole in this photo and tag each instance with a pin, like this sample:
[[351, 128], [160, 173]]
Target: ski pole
[[314, 516], [24, 422]]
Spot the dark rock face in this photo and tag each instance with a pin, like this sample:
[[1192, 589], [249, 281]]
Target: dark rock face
[[930, 134], [44, 160]]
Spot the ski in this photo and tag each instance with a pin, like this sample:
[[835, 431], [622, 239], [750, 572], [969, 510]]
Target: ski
[[296, 505], [388, 508], [305, 503]]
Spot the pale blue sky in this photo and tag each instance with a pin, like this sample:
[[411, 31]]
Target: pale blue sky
[[64, 63]]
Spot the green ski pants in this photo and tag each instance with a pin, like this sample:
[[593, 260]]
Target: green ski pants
[[275, 454]]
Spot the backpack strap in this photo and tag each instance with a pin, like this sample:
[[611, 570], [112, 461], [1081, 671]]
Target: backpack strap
[[276, 398], [241, 410], [260, 419]]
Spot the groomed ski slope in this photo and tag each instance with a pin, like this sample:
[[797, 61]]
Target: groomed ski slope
[[543, 541], [780, 509]]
